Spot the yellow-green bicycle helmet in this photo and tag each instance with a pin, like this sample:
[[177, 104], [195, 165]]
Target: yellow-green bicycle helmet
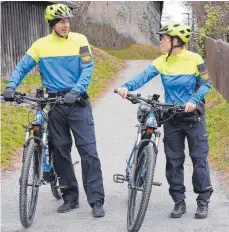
[[57, 11], [177, 30]]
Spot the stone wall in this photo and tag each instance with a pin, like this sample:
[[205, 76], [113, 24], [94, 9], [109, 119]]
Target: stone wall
[[117, 24]]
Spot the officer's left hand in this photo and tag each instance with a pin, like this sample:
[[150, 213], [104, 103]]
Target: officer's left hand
[[9, 94], [190, 107], [70, 98]]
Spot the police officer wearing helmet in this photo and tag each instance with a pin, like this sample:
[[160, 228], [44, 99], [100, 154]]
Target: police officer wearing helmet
[[66, 66], [185, 80]]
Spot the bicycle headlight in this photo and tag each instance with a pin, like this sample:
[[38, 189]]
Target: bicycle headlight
[[143, 110]]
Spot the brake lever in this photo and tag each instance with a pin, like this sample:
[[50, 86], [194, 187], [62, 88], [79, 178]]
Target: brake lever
[[18, 99], [134, 101]]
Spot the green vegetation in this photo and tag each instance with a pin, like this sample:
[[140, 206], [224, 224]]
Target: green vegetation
[[30, 83], [105, 67], [218, 127], [213, 25], [213, 21], [13, 124], [136, 52]]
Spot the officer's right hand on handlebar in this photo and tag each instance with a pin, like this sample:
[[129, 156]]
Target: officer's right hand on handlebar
[[190, 107], [9, 94], [123, 92]]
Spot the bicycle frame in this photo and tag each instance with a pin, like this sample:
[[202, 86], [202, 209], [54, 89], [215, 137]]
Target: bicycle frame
[[132, 160], [138, 140], [39, 126]]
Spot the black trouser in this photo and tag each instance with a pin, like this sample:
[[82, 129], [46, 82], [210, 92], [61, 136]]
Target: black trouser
[[174, 144], [62, 119]]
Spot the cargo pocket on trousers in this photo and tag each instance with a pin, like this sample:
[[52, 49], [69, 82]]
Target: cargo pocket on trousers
[[167, 146], [90, 120], [200, 146], [90, 129]]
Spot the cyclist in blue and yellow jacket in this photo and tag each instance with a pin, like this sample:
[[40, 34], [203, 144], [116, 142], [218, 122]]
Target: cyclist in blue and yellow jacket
[[185, 80], [66, 67]]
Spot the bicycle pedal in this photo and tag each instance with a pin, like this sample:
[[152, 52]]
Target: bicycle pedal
[[119, 178], [76, 162], [157, 183]]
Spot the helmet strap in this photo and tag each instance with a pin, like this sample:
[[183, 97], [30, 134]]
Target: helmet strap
[[171, 49], [179, 45], [180, 42]]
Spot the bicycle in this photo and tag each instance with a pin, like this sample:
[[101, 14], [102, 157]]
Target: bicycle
[[37, 156], [141, 163]]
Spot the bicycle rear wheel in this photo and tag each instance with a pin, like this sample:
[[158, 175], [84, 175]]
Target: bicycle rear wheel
[[29, 183], [139, 196]]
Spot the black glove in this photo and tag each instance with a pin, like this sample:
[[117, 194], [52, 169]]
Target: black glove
[[9, 94], [70, 98]]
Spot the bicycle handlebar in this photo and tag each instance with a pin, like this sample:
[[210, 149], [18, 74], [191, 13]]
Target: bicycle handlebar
[[22, 96], [136, 98]]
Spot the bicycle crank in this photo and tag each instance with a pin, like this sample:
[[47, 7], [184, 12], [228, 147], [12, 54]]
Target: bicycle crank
[[157, 183]]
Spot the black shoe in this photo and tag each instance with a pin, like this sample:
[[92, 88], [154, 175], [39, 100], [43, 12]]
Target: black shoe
[[67, 206], [98, 210], [179, 209], [202, 210]]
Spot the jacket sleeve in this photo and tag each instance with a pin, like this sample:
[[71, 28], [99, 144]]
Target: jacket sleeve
[[86, 67], [203, 82], [142, 78], [23, 67]]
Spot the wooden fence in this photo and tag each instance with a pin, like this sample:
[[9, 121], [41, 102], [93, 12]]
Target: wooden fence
[[217, 59], [22, 23]]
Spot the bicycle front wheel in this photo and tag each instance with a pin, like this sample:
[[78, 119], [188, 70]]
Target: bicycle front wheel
[[29, 183], [139, 194]]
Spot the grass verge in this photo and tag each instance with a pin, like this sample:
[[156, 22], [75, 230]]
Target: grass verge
[[217, 113], [136, 52]]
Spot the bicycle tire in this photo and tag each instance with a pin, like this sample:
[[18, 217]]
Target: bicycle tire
[[26, 211], [134, 224]]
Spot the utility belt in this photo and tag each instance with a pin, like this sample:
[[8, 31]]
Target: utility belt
[[83, 99], [189, 116], [186, 117]]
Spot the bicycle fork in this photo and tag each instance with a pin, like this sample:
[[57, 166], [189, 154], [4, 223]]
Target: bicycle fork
[[119, 178]]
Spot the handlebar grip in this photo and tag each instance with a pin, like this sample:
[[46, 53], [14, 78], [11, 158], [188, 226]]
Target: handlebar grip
[[115, 90], [20, 94]]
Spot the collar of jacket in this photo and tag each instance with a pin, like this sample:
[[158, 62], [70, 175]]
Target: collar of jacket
[[179, 54], [58, 38]]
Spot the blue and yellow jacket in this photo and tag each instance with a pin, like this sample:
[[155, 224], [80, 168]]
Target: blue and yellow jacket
[[65, 63], [184, 77]]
